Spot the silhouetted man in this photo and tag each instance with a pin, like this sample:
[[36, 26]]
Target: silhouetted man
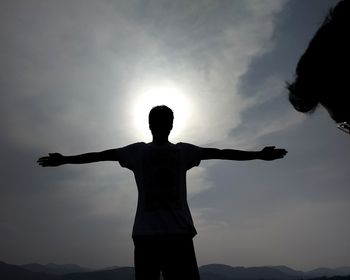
[[163, 228]]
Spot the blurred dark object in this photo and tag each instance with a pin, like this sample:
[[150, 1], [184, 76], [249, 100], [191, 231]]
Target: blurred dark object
[[322, 72]]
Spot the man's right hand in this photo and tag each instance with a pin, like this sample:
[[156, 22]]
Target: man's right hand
[[54, 159], [271, 153]]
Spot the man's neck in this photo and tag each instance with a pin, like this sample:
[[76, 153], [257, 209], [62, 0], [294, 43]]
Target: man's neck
[[160, 141]]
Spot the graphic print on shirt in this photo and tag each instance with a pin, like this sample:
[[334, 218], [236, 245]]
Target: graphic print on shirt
[[161, 175]]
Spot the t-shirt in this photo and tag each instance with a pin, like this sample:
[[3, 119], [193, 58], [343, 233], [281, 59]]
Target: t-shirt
[[160, 174]]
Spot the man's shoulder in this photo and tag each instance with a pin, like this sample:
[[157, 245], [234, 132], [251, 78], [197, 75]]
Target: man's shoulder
[[133, 146], [136, 144], [186, 145]]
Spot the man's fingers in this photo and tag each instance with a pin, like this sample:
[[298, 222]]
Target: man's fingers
[[50, 160], [281, 152], [45, 164], [271, 153], [284, 151], [43, 159], [42, 163]]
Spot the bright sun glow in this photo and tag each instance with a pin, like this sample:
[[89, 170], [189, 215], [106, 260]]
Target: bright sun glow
[[168, 95]]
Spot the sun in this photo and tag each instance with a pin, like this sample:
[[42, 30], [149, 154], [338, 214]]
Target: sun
[[170, 95]]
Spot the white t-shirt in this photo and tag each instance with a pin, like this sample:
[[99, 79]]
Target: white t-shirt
[[160, 174]]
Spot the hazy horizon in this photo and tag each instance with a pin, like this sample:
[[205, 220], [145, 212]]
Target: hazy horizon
[[234, 266]]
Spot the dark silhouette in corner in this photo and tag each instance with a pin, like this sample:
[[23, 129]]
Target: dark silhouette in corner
[[163, 227], [322, 71]]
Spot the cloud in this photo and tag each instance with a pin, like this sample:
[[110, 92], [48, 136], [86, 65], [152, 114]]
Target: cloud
[[83, 65], [198, 181]]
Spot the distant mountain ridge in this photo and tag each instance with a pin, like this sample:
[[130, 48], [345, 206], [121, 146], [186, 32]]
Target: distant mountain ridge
[[324, 271], [288, 270], [56, 269], [243, 273], [208, 272]]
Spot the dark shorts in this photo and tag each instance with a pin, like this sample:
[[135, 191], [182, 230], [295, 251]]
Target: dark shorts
[[174, 256]]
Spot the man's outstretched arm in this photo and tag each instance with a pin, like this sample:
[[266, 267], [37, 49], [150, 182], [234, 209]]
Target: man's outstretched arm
[[267, 153], [56, 159]]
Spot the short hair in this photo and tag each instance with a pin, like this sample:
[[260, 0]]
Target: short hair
[[161, 115]]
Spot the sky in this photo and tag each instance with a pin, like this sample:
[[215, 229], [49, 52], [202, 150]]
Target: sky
[[81, 76]]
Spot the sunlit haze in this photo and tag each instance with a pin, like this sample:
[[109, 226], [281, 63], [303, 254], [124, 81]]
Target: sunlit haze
[[169, 94]]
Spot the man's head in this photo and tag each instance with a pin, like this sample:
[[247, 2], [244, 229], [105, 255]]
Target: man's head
[[160, 120]]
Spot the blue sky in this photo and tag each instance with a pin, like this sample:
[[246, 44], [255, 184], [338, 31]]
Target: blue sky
[[81, 76]]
